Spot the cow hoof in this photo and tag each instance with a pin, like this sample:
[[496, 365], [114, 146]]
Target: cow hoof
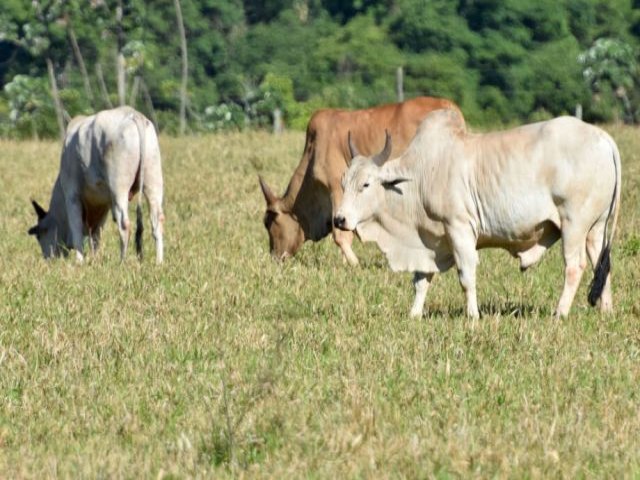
[[557, 315]]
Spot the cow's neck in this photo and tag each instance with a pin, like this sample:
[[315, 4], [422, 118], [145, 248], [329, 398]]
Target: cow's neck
[[295, 184], [58, 212], [312, 209], [296, 200], [307, 197]]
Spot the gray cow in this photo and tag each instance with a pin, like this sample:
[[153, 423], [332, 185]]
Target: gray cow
[[106, 159]]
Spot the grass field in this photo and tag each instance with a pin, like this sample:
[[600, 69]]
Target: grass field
[[221, 363]]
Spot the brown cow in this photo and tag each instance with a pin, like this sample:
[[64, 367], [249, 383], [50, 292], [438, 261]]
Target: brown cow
[[314, 192]]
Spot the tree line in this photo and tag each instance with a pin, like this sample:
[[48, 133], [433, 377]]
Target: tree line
[[209, 65]]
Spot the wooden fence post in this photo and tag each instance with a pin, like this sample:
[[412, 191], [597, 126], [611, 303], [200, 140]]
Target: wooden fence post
[[400, 84], [277, 121]]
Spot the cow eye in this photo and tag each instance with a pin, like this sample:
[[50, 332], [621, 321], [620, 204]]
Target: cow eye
[[366, 184]]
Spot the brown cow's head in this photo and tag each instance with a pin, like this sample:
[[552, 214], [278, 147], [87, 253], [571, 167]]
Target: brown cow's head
[[285, 232], [46, 232]]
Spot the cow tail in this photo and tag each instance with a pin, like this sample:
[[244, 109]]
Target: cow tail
[[603, 266], [140, 125]]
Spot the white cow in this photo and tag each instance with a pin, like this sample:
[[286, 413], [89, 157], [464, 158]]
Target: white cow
[[106, 159], [453, 192]]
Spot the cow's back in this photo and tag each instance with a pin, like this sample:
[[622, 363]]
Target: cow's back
[[101, 154], [540, 171], [330, 129]]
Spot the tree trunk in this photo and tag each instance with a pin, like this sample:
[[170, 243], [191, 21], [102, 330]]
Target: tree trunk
[[103, 87], [134, 91], [57, 103], [83, 69], [185, 68], [121, 76], [149, 102], [122, 82]]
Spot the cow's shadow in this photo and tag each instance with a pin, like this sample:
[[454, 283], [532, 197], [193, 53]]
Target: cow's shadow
[[507, 309]]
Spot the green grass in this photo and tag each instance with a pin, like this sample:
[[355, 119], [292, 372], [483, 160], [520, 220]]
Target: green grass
[[221, 363]]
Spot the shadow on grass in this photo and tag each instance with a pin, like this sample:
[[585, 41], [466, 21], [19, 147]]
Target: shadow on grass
[[508, 309]]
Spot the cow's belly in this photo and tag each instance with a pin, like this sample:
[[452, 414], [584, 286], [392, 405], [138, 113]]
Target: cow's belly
[[96, 202], [518, 222], [520, 241], [93, 216], [96, 193]]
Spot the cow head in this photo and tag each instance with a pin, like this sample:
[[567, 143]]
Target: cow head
[[365, 184], [286, 235], [46, 232]]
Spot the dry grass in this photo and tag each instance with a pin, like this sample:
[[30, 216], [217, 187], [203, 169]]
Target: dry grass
[[223, 364]]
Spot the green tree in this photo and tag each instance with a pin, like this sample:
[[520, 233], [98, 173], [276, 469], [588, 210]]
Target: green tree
[[549, 81], [610, 69]]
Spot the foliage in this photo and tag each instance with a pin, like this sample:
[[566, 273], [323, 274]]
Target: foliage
[[224, 117], [501, 60], [30, 109], [610, 69]]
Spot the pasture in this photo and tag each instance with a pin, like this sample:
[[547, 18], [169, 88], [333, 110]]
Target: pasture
[[221, 363]]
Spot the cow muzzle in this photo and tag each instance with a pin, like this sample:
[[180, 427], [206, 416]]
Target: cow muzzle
[[340, 222]]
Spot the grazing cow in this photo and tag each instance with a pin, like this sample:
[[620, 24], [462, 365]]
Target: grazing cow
[[453, 192], [314, 192], [106, 159]]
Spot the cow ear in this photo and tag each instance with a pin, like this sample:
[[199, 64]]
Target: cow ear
[[393, 184], [269, 197], [383, 156], [392, 179], [353, 150], [34, 230], [41, 212]]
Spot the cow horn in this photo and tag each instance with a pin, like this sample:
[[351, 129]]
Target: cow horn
[[353, 150], [41, 212], [383, 156], [266, 191]]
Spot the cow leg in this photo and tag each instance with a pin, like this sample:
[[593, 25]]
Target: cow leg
[[74, 216], [94, 240], [595, 241], [157, 226], [121, 217], [95, 236], [344, 239], [421, 282], [154, 200], [574, 251], [463, 243]]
